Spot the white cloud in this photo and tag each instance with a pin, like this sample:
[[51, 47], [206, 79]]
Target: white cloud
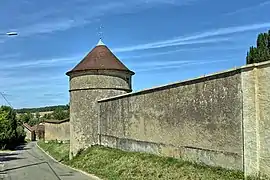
[[9, 56], [184, 40], [221, 31], [248, 8], [43, 62], [212, 48], [84, 12], [37, 84], [176, 66], [51, 26], [157, 63], [166, 43]]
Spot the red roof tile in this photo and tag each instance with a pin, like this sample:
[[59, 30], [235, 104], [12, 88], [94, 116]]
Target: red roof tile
[[100, 58]]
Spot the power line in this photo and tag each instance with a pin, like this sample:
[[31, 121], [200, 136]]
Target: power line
[[6, 99]]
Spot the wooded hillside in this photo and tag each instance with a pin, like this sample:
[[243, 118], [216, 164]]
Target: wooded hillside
[[42, 109]]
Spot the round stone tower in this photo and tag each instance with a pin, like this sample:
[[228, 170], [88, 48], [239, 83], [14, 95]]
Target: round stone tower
[[99, 75]]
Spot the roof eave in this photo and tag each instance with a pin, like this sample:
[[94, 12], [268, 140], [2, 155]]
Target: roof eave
[[69, 73]]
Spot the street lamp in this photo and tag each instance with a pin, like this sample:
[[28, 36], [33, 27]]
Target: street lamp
[[12, 33], [9, 34]]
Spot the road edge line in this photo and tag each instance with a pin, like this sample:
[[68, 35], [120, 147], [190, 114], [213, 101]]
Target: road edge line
[[85, 173]]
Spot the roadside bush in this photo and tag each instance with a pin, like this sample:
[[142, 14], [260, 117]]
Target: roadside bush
[[11, 132], [21, 134]]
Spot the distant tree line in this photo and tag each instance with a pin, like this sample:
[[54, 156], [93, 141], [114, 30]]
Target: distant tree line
[[42, 109], [58, 114], [262, 51], [11, 130], [29, 118], [35, 118]]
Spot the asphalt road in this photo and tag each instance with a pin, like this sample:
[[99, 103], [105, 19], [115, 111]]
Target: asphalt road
[[30, 163]]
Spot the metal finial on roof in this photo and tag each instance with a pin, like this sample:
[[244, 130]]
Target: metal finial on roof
[[100, 34], [100, 43]]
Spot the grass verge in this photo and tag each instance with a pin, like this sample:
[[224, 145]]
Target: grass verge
[[59, 151], [108, 163]]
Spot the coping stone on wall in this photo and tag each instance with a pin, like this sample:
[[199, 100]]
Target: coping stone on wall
[[56, 121]]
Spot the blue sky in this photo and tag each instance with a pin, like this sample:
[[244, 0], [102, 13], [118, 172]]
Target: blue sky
[[163, 41]]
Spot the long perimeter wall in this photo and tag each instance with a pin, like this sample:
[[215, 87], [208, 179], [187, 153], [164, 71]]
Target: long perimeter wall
[[221, 120]]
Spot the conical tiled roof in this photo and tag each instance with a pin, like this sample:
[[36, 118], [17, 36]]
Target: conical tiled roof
[[100, 58]]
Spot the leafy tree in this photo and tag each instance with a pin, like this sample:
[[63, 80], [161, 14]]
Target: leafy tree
[[29, 118], [26, 117], [4, 128], [42, 109], [262, 51], [60, 114], [37, 115], [21, 134], [34, 121], [48, 116], [11, 133]]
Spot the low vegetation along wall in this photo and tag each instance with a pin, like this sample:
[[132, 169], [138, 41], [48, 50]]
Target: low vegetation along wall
[[221, 120], [57, 130]]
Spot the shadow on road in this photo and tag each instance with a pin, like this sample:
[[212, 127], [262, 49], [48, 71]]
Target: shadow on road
[[24, 166], [18, 147], [7, 154], [22, 147], [5, 159], [10, 156], [30, 165]]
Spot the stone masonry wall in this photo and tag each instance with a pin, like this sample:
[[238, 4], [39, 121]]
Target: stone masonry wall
[[221, 120], [256, 119], [85, 90], [198, 120], [264, 115], [28, 134], [83, 117], [57, 131]]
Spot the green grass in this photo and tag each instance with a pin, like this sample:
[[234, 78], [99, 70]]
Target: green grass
[[59, 151], [113, 164]]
